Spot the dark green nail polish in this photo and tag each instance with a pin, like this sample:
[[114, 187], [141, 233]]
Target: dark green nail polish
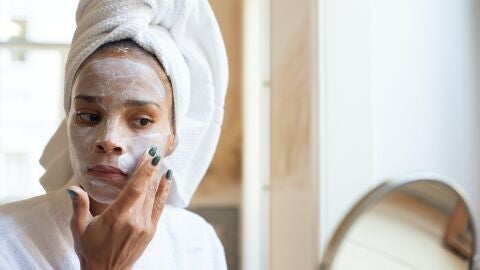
[[153, 151], [72, 194], [155, 160], [169, 175]]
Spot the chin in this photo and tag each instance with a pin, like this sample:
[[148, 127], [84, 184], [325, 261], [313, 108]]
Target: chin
[[101, 191]]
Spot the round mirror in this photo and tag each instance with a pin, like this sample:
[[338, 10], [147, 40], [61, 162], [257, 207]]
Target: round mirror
[[415, 223]]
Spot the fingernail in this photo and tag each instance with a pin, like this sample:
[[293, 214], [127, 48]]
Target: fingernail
[[155, 160], [153, 151], [72, 194], [169, 175]]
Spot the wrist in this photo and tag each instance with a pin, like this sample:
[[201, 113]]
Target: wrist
[[88, 266]]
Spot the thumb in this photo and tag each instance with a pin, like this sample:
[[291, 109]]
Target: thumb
[[81, 209]]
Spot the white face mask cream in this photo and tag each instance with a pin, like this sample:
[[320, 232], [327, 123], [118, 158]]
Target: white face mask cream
[[119, 110]]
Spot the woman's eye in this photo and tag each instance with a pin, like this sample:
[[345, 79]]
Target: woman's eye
[[89, 118], [142, 122]]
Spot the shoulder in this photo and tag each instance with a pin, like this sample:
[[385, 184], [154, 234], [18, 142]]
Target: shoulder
[[184, 240], [24, 208], [43, 210], [188, 222], [195, 236], [188, 227], [18, 220], [34, 233], [20, 209]]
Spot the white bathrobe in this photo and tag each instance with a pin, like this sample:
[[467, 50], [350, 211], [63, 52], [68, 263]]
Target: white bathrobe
[[35, 234]]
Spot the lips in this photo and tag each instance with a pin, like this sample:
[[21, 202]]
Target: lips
[[107, 172]]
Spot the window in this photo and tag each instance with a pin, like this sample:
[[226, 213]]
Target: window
[[33, 49]]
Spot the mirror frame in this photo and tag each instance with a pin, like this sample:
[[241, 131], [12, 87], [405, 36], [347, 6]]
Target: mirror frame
[[374, 195]]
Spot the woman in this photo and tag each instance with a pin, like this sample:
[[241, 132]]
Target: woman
[[144, 90]]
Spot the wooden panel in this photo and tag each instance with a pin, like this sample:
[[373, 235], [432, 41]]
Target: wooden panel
[[222, 183], [293, 198]]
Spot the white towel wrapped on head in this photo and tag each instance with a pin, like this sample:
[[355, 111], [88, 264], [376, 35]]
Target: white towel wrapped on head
[[185, 37]]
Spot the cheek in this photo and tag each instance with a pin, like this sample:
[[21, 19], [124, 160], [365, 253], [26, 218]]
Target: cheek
[[81, 140], [137, 145]]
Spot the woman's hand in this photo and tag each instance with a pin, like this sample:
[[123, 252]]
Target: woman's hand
[[116, 238]]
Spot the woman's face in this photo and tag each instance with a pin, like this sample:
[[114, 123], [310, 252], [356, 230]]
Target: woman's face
[[119, 109]]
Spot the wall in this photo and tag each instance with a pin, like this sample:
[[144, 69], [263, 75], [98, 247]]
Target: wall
[[398, 94], [345, 109], [426, 103]]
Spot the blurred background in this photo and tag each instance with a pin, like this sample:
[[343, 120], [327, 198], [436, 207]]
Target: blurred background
[[326, 99]]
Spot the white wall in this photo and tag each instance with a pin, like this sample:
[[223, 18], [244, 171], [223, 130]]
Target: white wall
[[345, 109], [398, 94], [426, 102]]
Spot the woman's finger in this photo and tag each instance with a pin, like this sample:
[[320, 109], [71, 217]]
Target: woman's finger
[[81, 209], [136, 188], [152, 188], [161, 196]]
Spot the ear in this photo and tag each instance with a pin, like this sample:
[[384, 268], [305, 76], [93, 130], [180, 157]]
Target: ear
[[171, 144]]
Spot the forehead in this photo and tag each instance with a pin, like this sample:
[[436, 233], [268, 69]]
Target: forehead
[[119, 75], [111, 70]]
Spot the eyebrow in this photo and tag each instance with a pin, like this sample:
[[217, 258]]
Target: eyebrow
[[128, 102], [91, 99], [139, 103]]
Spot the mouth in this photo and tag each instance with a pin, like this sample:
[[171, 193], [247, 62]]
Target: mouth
[[108, 173]]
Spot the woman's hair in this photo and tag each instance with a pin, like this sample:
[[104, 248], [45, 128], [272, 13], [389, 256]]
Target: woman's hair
[[132, 48]]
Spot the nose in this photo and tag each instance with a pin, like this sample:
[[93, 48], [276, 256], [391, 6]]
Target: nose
[[108, 147]]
